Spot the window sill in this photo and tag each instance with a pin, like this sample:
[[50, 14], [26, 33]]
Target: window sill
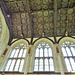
[[7, 72]]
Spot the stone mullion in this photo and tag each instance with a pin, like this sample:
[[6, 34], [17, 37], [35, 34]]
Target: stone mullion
[[59, 60], [48, 59]]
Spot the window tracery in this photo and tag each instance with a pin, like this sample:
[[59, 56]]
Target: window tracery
[[68, 50], [16, 58], [43, 58]]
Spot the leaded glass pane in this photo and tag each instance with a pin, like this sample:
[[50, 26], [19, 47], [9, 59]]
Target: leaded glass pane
[[50, 52], [51, 64], [8, 65], [42, 54], [36, 65], [72, 63], [12, 65], [12, 54], [16, 58], [16, 53], [37, 52], [45, 52], [68, 50], [41, 65], [20, 54], [24, 52], [46, 65], [21, 65], [17, 65], [68, 64], [64, 52], [73, 51]]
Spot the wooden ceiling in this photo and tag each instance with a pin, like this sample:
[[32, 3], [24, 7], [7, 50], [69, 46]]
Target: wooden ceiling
[[35, 18]]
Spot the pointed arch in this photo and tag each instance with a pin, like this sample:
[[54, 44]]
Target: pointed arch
[[43, 56], [68, 51], [16, 56], [4, 33]]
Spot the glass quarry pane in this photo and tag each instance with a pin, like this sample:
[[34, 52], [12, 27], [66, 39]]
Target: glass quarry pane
[[16, 53], [24, 53], [72, 63], [68, 64], [22, 62], [45, 52], [12, 65], [73, 51], [41, 65], [68, 51], [51, 64], [6, 68], [36, 62], [41, 52], [20, 69], [12, 54], [20, 53], [37, 52], [21, 65], [64, 52], [50, 52], [35, 68], [46, 65], [8, 65], [17, 65]]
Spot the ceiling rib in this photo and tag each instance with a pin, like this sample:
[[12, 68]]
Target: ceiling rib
[[55, 19]]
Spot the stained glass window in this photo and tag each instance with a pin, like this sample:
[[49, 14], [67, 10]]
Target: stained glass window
[[16, 58], [68, 50], [43, 58]]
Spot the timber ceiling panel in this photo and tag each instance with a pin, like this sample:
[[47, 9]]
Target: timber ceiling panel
[[43, 22], [32, 18], [16, 5], [21, 25], [41, 4], [66, 17]]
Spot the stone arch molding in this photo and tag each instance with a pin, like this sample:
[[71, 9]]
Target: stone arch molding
[[19, 42], [11, 48], [34, 47], [43, 40], [4, 35], [66, 39]]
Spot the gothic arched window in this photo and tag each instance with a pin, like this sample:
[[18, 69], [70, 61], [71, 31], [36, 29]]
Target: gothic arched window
[[43, 58], [68, 50], [16, 58]]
